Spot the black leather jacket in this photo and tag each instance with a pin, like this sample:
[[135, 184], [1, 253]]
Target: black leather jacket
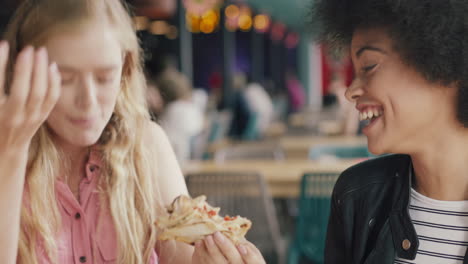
[[369, 221]]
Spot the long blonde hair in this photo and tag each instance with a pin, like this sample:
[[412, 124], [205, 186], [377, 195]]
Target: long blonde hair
[[128, 185]]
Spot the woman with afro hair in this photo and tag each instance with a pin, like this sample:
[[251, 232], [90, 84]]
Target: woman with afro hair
[[411, 90]]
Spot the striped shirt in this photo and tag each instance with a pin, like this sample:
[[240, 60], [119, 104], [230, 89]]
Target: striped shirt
[[442, 228]]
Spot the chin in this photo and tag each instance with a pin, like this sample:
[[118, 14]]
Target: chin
[[84, 139], [377, 148]]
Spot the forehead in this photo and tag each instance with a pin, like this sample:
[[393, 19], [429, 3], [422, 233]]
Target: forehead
[[374, 37], [88, 45]]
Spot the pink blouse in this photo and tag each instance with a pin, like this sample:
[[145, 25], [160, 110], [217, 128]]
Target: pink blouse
[[87, 234]]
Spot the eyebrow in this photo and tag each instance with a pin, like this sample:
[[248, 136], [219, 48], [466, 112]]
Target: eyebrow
[[365, 48]]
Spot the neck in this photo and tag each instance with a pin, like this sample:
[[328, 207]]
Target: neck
[[75, 159], [441, 167]]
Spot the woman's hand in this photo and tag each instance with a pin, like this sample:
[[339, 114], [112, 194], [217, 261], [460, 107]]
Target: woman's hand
[[34, 91], [217, 249]]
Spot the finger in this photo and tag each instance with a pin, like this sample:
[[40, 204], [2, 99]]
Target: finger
[[4, 50], [54, 89], [213, 250], [39, 81], [200, 255], [21, 79], [227, 248], [253, 248], [250, 254]]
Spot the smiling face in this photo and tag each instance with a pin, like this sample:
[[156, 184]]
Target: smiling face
[[403, 109], [90, 62]]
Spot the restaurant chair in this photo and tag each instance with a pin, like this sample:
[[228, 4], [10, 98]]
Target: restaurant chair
[[250, 152], [308, 245], [245, 194]]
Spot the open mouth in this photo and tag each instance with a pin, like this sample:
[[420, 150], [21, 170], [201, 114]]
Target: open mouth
[[370, 115]]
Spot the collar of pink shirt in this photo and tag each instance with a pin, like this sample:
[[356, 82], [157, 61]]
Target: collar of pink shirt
[[87, 234]]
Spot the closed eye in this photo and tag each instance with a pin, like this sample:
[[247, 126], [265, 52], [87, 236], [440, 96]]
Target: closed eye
[[368, 68], [106, 78]]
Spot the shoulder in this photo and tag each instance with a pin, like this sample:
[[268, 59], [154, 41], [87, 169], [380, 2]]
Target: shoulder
[[155, 137], [369, 174], [167, 171]]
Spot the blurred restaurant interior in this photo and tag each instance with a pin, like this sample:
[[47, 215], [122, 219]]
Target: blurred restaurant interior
[[255, 112]]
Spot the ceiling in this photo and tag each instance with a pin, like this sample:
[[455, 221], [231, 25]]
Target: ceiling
[[291, 12]]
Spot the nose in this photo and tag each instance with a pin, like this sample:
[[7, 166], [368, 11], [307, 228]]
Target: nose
[[87, 92], [355, 90]]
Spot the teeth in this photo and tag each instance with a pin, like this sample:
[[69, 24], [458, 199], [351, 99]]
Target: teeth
[[372, 113]]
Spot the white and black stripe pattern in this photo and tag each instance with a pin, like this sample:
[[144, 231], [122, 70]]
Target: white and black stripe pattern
[[442, 228]]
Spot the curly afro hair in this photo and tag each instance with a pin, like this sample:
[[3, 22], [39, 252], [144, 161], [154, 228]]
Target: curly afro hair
[[430, 35]]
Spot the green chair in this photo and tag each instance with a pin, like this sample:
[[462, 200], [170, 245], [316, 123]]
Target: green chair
[[339, 151], [314, 210]]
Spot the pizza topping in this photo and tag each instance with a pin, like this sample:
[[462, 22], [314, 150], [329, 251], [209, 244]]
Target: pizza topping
[[189, 220]]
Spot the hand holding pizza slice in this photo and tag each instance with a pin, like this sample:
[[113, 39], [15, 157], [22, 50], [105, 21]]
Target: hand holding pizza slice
[[189, 220]]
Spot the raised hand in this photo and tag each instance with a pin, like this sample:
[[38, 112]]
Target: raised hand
[[33, 93]]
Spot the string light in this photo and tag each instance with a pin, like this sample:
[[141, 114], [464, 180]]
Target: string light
[[261, 23], [159, 27], [207, 27], [141, 22], [245, 22], [232, 12]]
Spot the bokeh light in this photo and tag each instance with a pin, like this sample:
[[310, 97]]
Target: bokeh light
[[245, 22], [261, 23], [232, 12]]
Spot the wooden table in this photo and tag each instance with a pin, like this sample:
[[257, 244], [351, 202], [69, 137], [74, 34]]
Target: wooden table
[[295, 147], [283, 177]]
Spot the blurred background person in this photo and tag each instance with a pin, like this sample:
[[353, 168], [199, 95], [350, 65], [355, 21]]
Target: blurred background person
[[182, 119]]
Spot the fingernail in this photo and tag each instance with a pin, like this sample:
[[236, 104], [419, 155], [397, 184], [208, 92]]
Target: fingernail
[[28, 52], [219, 237], [242, 249], [53, 67]]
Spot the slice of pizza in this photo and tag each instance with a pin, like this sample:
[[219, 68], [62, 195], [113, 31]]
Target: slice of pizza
[[189, 220]]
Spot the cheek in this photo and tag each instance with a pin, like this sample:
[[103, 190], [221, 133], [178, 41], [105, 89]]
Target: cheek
[[107, 99], [62, 107]]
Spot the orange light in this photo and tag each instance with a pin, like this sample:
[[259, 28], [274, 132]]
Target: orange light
[[193, 26], [206, 27], [141, 22], [245, 22], [232, 11], [261, 23], [210, 16], [159, 27]]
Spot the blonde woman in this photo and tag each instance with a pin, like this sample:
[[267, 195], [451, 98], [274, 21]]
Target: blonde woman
[[83, 170]]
